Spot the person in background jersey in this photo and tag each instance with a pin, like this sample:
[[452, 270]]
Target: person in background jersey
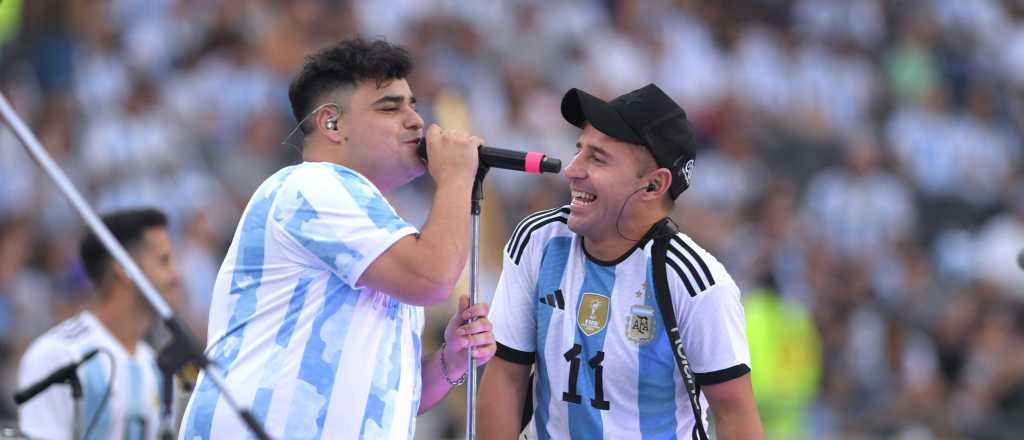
[[317, 310], [115, 323], [576, 296]]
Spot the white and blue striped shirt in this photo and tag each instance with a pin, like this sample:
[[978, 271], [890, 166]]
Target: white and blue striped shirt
[[604, 365], [310, 352], [131, 411]]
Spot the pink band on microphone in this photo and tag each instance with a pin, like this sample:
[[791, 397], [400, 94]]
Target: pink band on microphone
[[533, 162]]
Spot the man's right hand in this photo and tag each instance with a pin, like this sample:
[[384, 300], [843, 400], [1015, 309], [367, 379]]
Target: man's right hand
[[422, 269], [453, 154]]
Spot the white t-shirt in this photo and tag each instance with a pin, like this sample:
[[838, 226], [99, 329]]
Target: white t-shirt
[[605, 368], [310, 352], [132, 410]]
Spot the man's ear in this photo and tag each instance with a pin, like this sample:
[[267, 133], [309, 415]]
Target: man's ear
[[657, 183], [118, 274], [328, 123]]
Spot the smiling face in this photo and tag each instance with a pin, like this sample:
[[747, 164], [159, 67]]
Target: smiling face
[[381, 128], [604, 173]]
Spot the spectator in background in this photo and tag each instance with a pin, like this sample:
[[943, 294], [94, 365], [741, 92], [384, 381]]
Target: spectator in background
[[121, 386], [10, 19], [856, 211], [773, 247], [784, 347], [731, 175], [1000, 242], [16, 195], [197, 256], [133, 155], [24, 300]]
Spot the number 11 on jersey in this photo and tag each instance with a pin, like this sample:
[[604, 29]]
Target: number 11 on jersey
[[572, 396]]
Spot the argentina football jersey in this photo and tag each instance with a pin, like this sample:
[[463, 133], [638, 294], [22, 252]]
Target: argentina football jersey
[[313, 354], [120, 400], [593, 329]]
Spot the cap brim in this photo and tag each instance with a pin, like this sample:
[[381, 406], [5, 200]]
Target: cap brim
[[579, 108]]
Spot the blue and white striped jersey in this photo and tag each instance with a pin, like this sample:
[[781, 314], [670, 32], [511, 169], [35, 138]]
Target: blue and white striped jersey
[[132, 409], [313, 354], [604, 365]]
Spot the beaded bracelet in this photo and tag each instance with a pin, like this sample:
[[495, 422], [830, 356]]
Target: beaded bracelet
[[444, 369]]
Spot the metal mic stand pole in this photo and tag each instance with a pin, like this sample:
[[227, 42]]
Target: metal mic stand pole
[[183, 344], [76, 400], [474, 282]]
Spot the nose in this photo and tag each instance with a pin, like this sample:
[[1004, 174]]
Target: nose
[[575, 169], [174, 276], [414, 121]]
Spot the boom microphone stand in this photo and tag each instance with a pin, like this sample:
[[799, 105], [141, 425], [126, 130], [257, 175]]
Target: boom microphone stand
[[183, 347]]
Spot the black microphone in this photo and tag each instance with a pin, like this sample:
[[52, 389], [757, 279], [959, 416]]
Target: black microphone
[[528, 161], [58, 376]]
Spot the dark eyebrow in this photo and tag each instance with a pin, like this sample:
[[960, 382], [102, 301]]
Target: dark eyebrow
[[394, 99], [597, 149]]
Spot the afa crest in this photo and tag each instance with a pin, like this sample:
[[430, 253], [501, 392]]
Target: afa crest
[[640, 324], [592, 316]]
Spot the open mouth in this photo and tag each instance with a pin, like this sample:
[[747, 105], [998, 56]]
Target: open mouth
[[582, 198]]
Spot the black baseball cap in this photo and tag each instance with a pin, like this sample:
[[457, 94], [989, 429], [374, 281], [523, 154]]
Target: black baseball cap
[[645, 116]]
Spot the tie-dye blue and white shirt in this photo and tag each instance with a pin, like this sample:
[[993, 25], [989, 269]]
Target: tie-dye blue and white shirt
[[604, 365], [313, 354], [132, 409]]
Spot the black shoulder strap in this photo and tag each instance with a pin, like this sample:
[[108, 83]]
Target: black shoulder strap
[[668, 317]]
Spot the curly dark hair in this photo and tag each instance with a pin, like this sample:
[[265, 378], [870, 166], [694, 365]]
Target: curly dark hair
[[345, 64]]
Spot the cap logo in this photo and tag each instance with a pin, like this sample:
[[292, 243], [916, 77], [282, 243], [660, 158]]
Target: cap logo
[[634, 98], [688, 171]]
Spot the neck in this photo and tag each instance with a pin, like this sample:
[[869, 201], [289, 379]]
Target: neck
[[119, 314], [316, 151], [607, 249], [613, 244], [331, 153]]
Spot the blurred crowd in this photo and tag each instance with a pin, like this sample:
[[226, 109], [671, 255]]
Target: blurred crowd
[[860, 163]]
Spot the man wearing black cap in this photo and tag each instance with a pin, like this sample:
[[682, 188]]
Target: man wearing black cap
[[632, 327]]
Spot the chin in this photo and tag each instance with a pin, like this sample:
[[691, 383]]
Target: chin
[[575, 224], [409, 175], [416, 172]]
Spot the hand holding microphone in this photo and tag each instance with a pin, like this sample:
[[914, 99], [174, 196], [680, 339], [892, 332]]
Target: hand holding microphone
[[454, 152], [530, 162]]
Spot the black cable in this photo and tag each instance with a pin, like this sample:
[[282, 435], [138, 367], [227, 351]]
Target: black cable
[[106, 394], [618, 218]]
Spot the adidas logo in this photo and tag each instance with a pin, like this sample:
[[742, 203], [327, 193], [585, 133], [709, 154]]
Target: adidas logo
[[554, 299]]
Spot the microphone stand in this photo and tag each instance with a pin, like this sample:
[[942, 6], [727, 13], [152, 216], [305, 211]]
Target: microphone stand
[[68, 375], [474, 282], [183, 347], [167, 402], [76, 398]]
